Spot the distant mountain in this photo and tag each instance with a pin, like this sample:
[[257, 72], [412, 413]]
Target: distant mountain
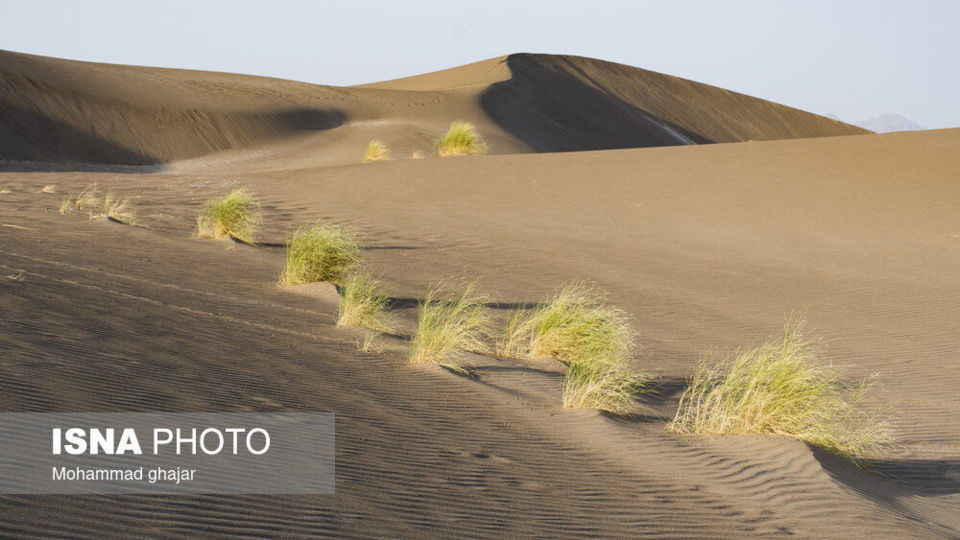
[[885, 123]]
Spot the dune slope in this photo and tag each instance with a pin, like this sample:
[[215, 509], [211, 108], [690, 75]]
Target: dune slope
[[61, 110], [54, 110], [557, 103], [706, 248]]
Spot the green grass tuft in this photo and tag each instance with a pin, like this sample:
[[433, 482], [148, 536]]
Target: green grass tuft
[[781, 388], [235, 215], [607, 388], [594, 340], [448, 325], [376, 151], [362, 303], [573, 326], [461, 139], [320, 252]]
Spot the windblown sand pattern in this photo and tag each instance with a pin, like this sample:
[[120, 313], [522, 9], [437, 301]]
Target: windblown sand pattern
[[706, 247]]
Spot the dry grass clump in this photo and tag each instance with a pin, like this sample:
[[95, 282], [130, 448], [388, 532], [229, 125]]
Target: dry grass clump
[[376, 151], [49, 188], [462, 139], [417, 154], [320, 252], [610, 388], [5, 190], [87, 199], [781, 388], [118, 209], [449, 324], [111, 206], [235, 215], [363, 303], [594, 340]]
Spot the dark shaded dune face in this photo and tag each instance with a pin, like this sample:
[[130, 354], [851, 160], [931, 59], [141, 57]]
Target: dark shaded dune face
[[33, 135], [37, 135], [554, 109], [562, 103], [74, 114]]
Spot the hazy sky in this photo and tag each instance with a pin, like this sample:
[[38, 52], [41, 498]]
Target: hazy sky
[[856, 59]]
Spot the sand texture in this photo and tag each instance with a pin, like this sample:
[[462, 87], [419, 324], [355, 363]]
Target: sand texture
[[708, 247]]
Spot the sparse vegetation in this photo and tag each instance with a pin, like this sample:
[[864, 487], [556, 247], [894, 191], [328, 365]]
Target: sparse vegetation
[[235, 215], [118, 209], [362, 303], [417, 154], [87, 199], [113, 207], [594, 340], [49, 188], [5, 190], [607, 388], [572, 325], [780, 388], [449, 324], [369, 343], [376, 151], [320, 252], [460, 140]]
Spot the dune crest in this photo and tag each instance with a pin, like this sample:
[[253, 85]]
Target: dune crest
[[67, 111], [559, 103]]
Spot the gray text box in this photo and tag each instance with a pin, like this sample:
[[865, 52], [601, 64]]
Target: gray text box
[[275, 453]]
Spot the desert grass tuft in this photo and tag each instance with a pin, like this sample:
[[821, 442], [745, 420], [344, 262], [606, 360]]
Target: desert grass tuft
[[369, 343], [461, 139], [87, 199], [320, 252], [593, 339], [363, 303], [780, 387], [610, 388], [376, 151], [449, 324], [118, 209], [6, 190], [235, 215], [417, 154], [573, 325], [49, 188]]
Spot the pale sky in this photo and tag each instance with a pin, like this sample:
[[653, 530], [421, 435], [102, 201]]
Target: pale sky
[[856, 59]]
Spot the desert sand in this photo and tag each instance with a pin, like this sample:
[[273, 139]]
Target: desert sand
[[708, 216]]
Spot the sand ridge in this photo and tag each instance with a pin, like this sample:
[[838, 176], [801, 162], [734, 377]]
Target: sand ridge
[[67, 111], [707, 247]]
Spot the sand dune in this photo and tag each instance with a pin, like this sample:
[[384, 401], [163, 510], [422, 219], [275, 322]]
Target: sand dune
[[60, 110], [707, 247]]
